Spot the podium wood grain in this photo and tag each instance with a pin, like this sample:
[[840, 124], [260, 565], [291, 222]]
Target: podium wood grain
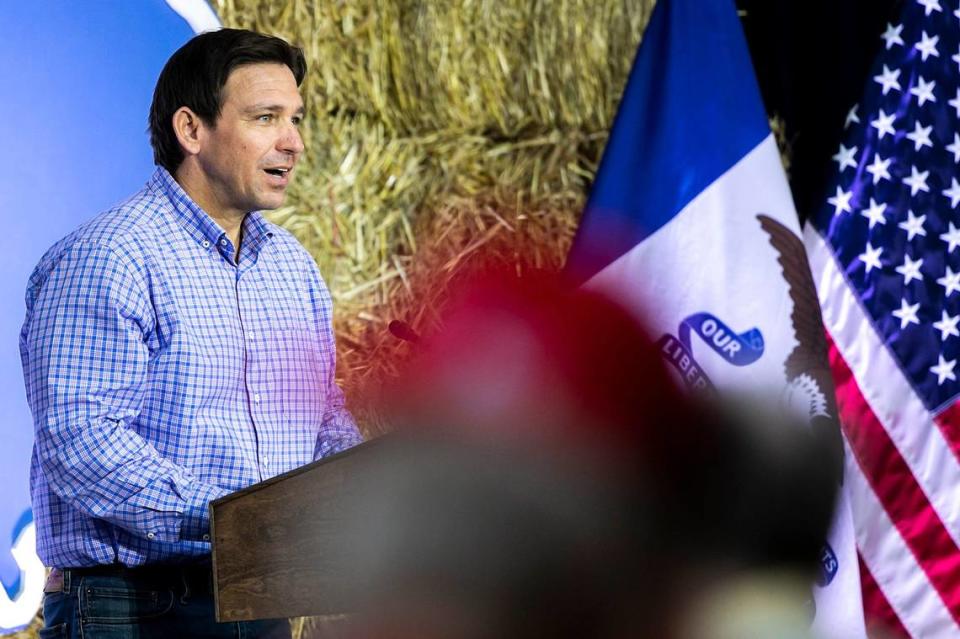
[[276, 544]]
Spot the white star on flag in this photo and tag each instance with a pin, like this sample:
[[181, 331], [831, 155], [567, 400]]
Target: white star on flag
[[892, 35], [950, 282], [956, 57], [955, 103], [917, 181], [907, 314], [841, 201], [871, 257], [955, 148], [913, 225], [927, 46], [852, 117], [929, 6], [910, 270], [944, 370], [889, 79], [953, 192], [951, 237], [947, 326], [844, 157], [874, 213], [924, 90], [879, 169], [920, 136], [884, 124]]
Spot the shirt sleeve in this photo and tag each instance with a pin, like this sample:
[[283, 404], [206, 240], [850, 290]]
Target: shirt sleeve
[[338, 431], [85, 365]]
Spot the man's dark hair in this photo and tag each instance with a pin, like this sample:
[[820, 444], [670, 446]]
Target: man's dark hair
[[195, 75]]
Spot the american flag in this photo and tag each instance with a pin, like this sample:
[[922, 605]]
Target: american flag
[[885, 253]]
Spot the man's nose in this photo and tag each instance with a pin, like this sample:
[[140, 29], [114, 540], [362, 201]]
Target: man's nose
[[291, 141]]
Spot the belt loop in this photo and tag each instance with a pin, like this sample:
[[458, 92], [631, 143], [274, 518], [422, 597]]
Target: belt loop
[[66, 581]]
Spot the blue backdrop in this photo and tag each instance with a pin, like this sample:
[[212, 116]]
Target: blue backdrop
[[77, 79]]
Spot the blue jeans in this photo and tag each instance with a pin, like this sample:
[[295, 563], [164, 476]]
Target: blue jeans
[[142, 606]]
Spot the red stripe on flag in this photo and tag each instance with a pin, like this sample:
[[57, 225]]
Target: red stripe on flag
[[880, 614], [895, 487], [949, 423]]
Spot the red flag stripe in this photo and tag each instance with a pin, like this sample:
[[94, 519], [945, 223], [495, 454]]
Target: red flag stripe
[[892, 564], [879, 612], [895, 487], [911, 432], [948, 421], [909, 424]]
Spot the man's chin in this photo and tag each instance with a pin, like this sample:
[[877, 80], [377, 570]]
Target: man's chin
[[271, 202]]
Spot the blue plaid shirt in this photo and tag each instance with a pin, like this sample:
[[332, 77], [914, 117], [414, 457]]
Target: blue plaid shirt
[[162, 373]]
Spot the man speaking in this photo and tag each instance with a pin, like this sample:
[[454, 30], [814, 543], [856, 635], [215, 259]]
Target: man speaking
[[177, 348]]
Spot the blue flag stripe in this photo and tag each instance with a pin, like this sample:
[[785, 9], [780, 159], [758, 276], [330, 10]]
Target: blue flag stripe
[[688, 113]]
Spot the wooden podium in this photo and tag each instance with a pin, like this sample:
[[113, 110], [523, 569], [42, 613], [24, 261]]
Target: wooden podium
[[277, 545]]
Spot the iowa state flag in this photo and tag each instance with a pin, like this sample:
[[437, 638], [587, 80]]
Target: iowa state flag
[[691, 223]]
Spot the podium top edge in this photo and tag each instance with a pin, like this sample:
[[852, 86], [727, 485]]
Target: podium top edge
[[266, 483]]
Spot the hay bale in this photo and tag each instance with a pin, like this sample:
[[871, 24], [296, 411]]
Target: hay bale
[[500, 67]]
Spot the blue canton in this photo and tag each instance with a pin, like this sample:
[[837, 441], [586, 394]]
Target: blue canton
[[162, 373], [891, 215]]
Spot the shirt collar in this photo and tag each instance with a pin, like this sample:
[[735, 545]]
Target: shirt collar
[[256, 231], [200, 226]]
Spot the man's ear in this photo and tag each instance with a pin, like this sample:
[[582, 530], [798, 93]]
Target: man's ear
[[188, 127]]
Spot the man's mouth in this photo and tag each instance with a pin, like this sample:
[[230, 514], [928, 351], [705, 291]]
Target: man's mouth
[[279, 172]]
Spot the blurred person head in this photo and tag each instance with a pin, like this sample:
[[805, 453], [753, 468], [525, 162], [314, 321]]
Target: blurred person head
[[557, 483]]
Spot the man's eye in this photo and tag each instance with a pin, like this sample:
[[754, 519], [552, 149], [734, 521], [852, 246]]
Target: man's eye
[[266, 117], [297, 120]]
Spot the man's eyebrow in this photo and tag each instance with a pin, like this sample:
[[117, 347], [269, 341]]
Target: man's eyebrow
[[271, 108]]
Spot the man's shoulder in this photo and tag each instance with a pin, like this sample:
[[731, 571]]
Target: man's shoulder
[[288, 245], [119, 230], [123, 225]]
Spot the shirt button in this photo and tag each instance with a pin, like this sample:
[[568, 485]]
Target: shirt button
[[223, 241], [151, 535], [256, 399], [205, 244], [206, 537]]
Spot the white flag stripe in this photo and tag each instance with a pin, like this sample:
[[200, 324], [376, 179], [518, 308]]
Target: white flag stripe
[[696, 262], [756, 184], [197, 13], [884, 387], [844, 593], [895, 569]]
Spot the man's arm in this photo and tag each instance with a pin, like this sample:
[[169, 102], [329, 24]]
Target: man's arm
[[338, 431], [85, 367]]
